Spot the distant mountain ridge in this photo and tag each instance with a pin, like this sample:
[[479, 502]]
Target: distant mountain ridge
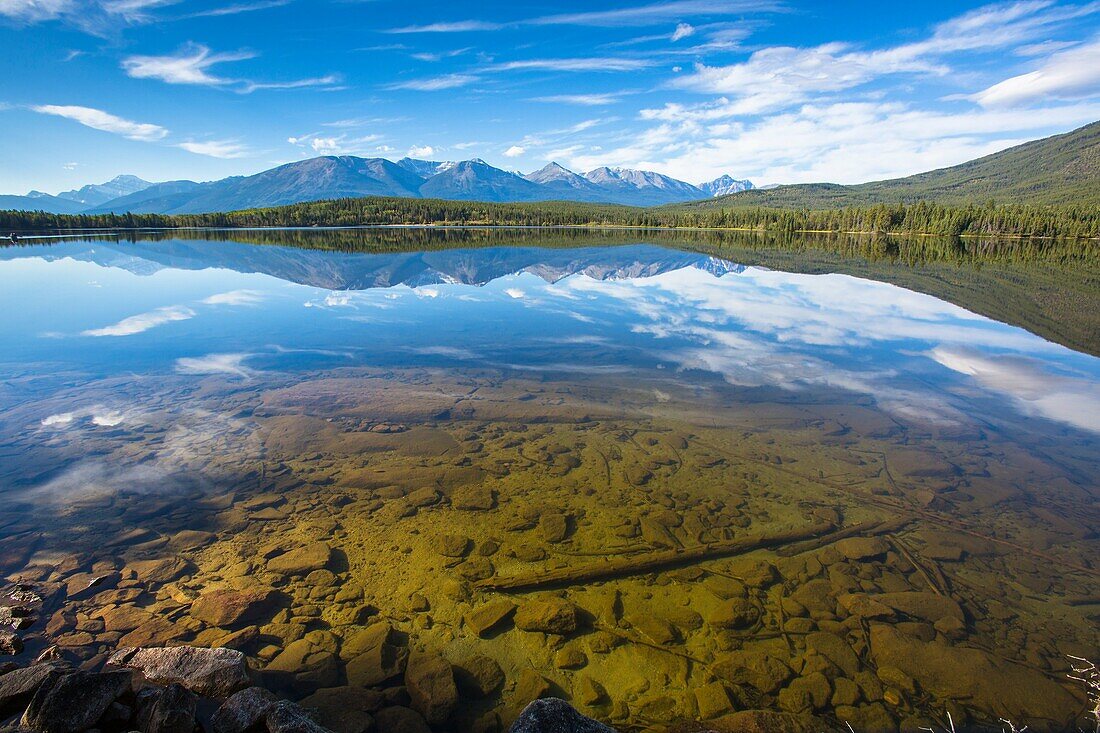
[[346, 176]]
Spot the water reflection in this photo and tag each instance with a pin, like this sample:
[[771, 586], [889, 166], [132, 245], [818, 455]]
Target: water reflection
[[452, 425]]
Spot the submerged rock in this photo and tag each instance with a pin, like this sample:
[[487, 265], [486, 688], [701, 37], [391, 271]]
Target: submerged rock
[[210, 672], [400, 719], [303, 560], [1005, 689], [551, 616], [228, 608], [431, 686], [551, 715], [490, 616]]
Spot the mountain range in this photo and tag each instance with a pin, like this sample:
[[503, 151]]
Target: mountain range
[[347, 176], [362, 271]]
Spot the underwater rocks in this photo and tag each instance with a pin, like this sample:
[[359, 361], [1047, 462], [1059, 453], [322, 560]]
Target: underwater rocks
[[550, 616], [431, 685], [229, 608], [489, 616], [1011, 690], [302, 560]]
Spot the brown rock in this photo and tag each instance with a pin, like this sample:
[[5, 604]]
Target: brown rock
[[478, 676], [474, 498], [736, 613], [489, 616], [553, 527], [862, 548], [431, 686], [550, 615], [228, 608], [400, 719], [713, 700], [303, 560]]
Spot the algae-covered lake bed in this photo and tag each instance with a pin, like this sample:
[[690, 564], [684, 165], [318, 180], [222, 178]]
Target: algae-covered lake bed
[[664, 480]]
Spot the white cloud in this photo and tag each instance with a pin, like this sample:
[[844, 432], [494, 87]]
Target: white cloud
[[189, 66], [192, 64], [108, 419], [435, 84], [602, 64], [1035, 389], [337, 144], [143, 322], [421, 151], [514, 293], [232, 364], [35, 11], [235, 297], [683, 30], [585, 100], [57, 420], [225, 149], [660, 12], [515, 151], [839, 142], [778, 76], [1069, 74], [99, 120], [462, 26]]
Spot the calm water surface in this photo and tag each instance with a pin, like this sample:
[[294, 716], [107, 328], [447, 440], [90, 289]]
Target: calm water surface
[[600, 436]]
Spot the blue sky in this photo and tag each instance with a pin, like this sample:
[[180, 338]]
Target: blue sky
[[777, 91]]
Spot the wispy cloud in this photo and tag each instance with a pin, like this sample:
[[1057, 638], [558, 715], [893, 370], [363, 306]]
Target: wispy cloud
[[99, 120], [143, 322], [335, 144], [604, 63], [239, 8], [437, 83], [461, 26], [683, 30], [235, 297], [1069, 74], [639, 15], [189, 66], [224, 149], [193, 63], [232, 364], [585, 100]]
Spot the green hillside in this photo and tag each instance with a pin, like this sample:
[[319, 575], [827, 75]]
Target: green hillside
[[1063, 170]]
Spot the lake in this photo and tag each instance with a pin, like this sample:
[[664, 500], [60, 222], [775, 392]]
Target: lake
[[650, 475]]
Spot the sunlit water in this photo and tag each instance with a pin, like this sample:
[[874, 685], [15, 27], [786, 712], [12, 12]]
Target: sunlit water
[[458, 426]]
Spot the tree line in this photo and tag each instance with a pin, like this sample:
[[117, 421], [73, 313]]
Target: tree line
[[921, 218]]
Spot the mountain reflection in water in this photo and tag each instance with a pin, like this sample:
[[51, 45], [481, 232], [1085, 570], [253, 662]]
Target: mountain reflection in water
[[450, 423]]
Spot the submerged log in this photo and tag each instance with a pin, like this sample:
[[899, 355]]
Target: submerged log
[[855, 530], [651, 561]]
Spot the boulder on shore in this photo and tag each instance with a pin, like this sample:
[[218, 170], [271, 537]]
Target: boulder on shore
[[74, 702], [209, 672], [551, 715]]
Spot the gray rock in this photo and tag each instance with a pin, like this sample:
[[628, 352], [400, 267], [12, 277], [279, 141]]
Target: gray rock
[[242, 710], [168, 709], [74, 702], [551, 715], [17, 686], [286, 717], [209, 672]]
